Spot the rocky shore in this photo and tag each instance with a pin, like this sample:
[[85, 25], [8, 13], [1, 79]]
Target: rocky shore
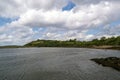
[[112, 62]]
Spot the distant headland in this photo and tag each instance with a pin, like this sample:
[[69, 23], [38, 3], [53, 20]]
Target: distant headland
[[102, 43]]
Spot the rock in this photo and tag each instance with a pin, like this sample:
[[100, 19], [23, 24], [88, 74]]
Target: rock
[[113, 62]]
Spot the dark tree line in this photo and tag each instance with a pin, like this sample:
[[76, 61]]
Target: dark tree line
[[114, 41]]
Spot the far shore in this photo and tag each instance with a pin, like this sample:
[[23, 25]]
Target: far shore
[[107, 47], [93, 47]]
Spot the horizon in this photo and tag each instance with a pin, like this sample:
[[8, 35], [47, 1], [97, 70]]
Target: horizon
[[64, 40], [23, 21]]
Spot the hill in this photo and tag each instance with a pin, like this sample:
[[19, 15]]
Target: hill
[[113, 42]]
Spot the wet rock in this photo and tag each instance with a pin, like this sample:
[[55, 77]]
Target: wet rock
[[113, 62]]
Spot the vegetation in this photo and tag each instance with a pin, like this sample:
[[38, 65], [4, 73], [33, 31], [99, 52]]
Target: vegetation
[[113, 42], [11, 46], [113, 62], [103, 43]]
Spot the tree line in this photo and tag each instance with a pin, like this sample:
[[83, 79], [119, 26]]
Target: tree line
[[113, 41]]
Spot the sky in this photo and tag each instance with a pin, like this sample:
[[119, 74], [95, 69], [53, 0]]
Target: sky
[[22, 21]]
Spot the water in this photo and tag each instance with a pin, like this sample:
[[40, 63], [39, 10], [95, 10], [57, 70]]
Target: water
[[55, 64]]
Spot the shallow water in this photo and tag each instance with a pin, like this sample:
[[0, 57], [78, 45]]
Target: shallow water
[[55, 64]]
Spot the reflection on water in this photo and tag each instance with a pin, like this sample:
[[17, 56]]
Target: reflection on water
[[55, 64]]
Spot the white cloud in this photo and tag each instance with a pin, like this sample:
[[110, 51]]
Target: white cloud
[[86, 2], [16, 35], [55, 34], [48, 14], [80, 17], [14, 8]]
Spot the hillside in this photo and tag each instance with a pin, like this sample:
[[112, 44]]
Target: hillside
[[113, 42]]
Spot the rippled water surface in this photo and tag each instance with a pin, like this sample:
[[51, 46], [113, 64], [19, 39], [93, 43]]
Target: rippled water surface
[[55, 64]]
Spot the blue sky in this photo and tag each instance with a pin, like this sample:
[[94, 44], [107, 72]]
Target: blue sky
[[4, 20], [69, 6], [57, 20]]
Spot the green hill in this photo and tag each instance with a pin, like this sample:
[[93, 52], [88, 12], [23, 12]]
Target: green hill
[[96, 43]]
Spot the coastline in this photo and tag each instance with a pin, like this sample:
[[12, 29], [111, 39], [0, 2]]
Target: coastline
[[93, 47], [107, 47], [113, 62]]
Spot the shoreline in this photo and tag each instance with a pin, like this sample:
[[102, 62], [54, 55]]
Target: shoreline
[[107, 47], [104, 47], [113, 62]]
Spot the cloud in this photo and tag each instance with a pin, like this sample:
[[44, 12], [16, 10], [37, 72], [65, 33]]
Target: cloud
[[111, 30], [65, 34], [14, 8], [86, 2], [55, 23], [11, 35], [87, 16]]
